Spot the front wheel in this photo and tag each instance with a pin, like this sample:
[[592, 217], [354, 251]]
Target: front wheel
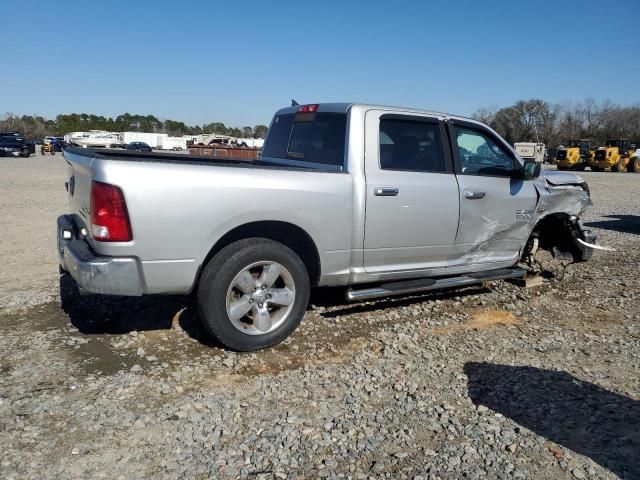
[[634, 165], [253, 294]]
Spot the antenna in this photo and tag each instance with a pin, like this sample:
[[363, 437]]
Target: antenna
[[294, 103]]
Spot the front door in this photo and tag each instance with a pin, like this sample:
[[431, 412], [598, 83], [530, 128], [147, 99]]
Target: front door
[[412, 198], [495, 207]]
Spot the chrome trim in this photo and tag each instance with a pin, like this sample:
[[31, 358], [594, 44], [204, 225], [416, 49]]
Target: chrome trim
[[386, 191]]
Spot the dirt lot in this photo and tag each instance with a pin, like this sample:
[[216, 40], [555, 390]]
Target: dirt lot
[[493, 381]]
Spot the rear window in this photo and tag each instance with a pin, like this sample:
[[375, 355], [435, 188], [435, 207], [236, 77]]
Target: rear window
[[309, 137]]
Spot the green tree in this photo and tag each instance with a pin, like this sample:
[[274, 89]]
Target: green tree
[[260, 131]]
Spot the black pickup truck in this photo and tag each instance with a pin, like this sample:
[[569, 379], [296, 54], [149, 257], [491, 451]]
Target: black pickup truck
[[12, 145]]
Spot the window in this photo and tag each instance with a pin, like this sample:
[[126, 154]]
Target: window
[[278, 137], [309, 137], [318, 138], [411, 145], [479, 154]]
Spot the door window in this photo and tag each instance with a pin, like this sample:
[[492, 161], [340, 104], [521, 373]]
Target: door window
[[479, 154], [411, 145]]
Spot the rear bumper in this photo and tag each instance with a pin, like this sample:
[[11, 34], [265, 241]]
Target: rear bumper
[[95, 273], [600, 163], [565, 163], [569, 163]]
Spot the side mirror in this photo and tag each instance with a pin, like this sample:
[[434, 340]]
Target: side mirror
[[530, 170]]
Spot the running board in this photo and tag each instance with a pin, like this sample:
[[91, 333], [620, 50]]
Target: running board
[[425, 284]]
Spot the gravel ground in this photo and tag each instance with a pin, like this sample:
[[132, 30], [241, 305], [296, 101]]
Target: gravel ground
[[494, 381]]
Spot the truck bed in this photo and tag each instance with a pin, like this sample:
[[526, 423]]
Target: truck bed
[[179, 206], [183, 159]]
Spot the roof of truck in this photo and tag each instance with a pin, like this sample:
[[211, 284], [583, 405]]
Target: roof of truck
[[343, 107]]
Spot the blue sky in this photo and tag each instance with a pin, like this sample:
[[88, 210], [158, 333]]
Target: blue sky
[[237, 62]]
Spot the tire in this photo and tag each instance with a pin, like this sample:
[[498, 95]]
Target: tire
[[581, 253], [634, 165], [224, 282], [562, 168], [597, 169], [618, 167], [579, 167]]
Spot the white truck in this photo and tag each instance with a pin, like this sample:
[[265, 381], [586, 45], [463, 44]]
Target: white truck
[[382, 200]]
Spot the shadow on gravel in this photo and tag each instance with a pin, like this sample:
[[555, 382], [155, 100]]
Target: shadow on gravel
[[100, 314], [578, 415], [620, 223]]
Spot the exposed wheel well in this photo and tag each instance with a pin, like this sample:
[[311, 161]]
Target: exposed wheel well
[[288, 234], [553, 231], [558, 230]]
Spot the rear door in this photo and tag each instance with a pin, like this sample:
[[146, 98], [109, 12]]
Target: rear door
[[412, 198], [495, 208]]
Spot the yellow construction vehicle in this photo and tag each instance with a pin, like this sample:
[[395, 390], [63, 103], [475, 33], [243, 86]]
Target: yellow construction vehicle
[[47, 148], [615, 155], [575, 156], [633, 165]]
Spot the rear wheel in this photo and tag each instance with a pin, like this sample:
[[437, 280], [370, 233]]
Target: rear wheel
[[561, 168], [579, 167], [634, 165], [253, 294], [597, 169], [619, 166]]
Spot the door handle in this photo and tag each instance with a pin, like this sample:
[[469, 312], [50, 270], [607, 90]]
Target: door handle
[[386, 192], [474, 195]]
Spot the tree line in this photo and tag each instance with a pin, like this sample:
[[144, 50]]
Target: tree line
[[37, 127], [556, 123], [526, 120]]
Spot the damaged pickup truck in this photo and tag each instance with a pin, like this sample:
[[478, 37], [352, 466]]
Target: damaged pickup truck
[[383, 200]]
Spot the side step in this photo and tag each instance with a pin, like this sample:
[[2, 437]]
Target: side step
[[425, 284]]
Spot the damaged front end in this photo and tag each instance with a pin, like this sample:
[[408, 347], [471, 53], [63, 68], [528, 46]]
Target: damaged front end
[[557, 225]]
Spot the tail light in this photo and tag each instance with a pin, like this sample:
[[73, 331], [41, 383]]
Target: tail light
[[109, 217], [308, 109]]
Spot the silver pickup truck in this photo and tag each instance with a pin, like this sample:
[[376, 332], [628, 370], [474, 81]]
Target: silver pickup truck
[[383, 200]]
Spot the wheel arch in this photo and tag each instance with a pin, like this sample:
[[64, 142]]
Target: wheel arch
[[294, 237], [560, 230]]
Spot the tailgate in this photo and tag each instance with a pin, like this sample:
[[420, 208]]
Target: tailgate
[[78, 184]]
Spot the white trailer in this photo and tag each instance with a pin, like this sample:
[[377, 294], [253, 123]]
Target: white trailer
[[151, 139], [530, 150], [251, 142], [172, 143]]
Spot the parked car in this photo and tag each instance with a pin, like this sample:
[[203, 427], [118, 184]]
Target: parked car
[[382, 200], [139, 147], [13, 145]]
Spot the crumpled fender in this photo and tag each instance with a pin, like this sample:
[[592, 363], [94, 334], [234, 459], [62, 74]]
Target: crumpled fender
[[567, 198]]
